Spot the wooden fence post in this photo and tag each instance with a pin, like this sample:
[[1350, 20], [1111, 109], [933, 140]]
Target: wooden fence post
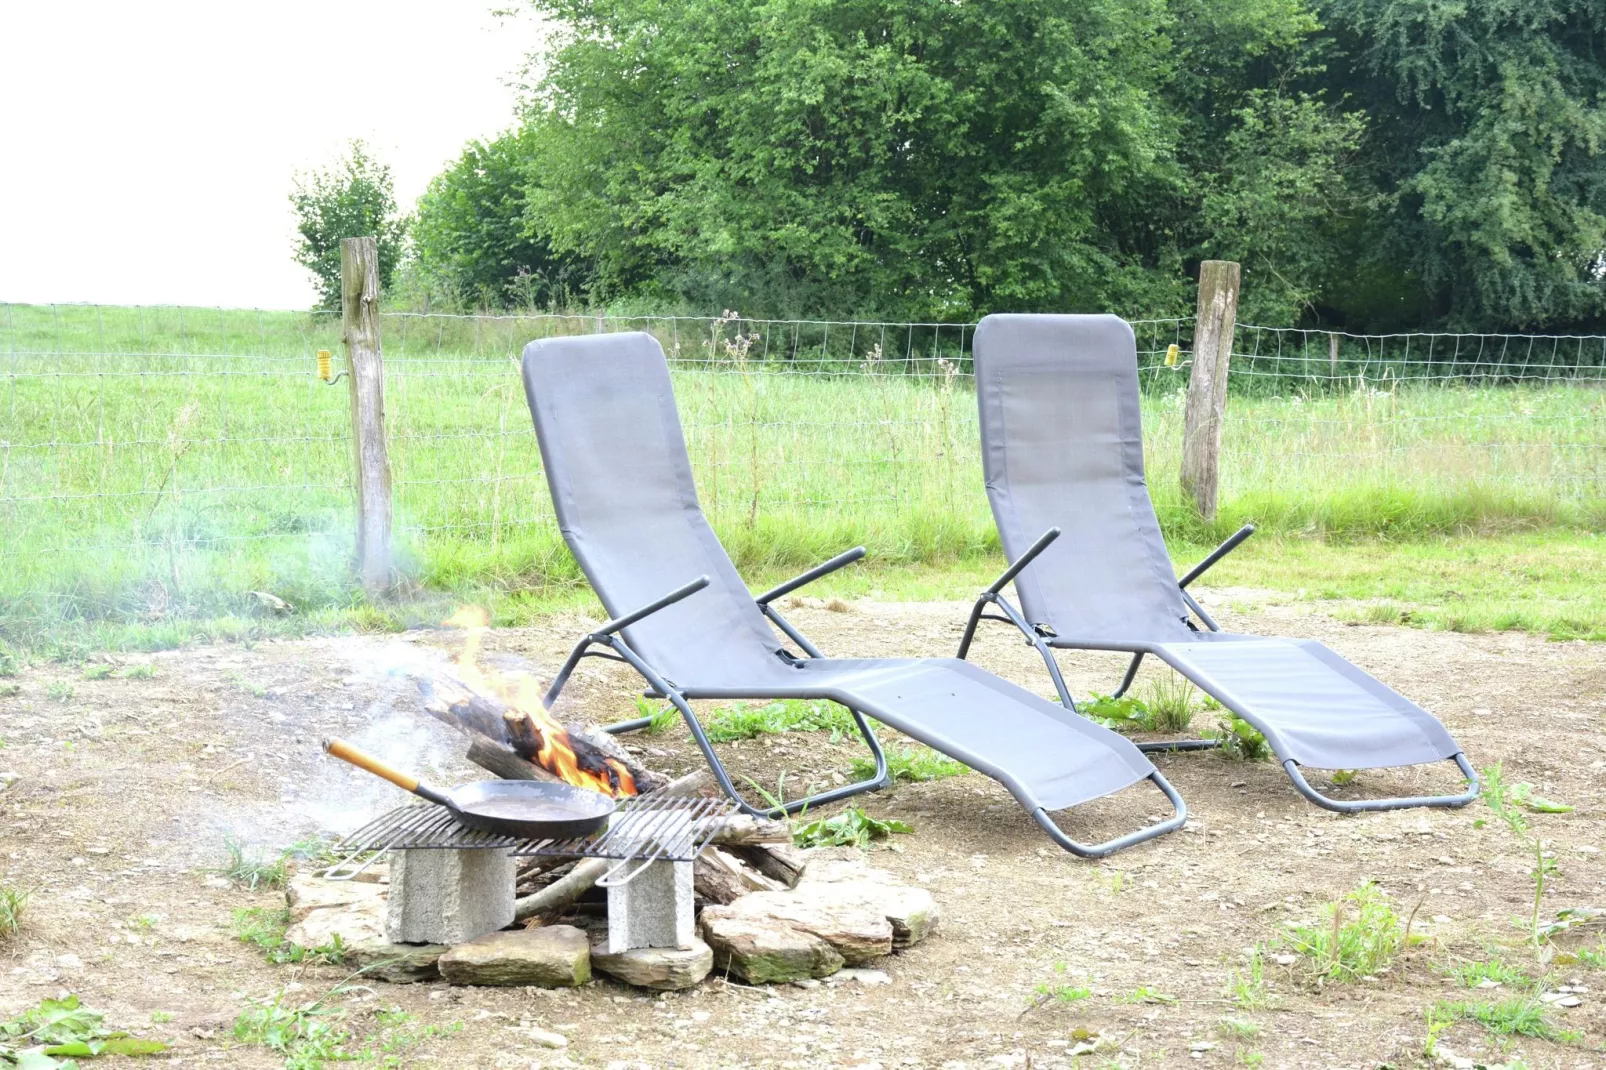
[[359, 290], [1207, 382]]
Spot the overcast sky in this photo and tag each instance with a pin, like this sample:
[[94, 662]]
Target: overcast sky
[[148, 148]]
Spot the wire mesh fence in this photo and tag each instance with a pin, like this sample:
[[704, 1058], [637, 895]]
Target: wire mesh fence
[[153, 456]]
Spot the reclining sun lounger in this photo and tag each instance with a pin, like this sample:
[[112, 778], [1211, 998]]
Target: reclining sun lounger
[[622, 488], [1063, 455]]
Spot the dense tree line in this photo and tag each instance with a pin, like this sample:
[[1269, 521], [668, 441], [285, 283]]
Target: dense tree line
[[1374, 164]]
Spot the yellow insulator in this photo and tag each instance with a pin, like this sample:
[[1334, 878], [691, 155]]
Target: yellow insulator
[[1172, 352], [323, 364]]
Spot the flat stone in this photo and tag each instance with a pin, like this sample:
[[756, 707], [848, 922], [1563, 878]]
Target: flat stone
[[663, 968], [306, 893], [766, 951], [398, 964], [911, 910], [554, 956], [447, 897], [858, 933], [361, 923]]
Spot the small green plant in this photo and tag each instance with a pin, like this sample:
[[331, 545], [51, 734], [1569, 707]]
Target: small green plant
[[1125, 714], [161, 1017], [1240, 740], [142, 671], [851, 828], [1507, 800], [1057, 991], [9, 688], [61, 690], [1246, 987], [307, 1035], [1171, 702], [743, 721], [12, 903], [659, 720], [1359, 935], [56, 1033], [911, 764], [264, 928], [1237, 1028], [1474, 974], [315, 851], [10, 664], [97, 671], [1145, 994], [249, 869], [1523, 1016], [255, 690]]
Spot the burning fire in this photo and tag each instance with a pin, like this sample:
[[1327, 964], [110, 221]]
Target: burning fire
[[534, 732]]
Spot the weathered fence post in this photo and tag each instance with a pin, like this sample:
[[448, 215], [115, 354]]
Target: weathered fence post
[[1207, 382], [359, 290]]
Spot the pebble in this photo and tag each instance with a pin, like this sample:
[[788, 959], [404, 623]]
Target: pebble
[[546, 1038]]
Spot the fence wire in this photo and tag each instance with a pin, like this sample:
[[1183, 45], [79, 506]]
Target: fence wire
[[146, 453]]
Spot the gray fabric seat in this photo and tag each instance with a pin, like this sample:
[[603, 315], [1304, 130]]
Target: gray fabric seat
[[622, 488], [1062, 448]]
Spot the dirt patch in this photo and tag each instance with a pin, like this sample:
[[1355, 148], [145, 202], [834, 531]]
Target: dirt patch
[[124, 789]]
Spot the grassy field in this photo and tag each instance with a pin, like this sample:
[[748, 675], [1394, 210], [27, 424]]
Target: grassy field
[[158, 466]]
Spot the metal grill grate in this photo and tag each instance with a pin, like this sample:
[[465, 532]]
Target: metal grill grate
[[648, 828]]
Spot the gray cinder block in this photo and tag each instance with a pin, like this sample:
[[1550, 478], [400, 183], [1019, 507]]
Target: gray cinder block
[[654, 910], [447, 897]]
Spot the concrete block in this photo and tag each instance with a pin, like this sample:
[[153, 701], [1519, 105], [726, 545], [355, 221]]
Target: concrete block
[[655, 909], [448, 897]]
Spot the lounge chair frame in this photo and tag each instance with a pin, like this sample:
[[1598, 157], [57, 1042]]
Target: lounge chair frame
[[1045, 642], [608, 636]]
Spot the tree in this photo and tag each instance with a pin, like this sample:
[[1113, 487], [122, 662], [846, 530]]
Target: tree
[[472, 238], [351, 198], [1488, 145]]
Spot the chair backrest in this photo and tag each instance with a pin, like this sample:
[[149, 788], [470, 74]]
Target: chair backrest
[[621, 483], [1062, 446]]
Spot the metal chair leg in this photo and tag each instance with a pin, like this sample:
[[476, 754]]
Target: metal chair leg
[[1342, 806], [1099, 850]]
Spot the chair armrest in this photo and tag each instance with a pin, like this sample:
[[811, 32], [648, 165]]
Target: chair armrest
[[620, 623], [1024, 559], [840, 560], [1216, 555]]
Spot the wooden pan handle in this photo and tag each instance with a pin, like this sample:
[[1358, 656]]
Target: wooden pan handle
[[347, 753]]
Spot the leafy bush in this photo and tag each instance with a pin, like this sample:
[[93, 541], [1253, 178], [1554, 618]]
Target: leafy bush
[[57, 1032], [473, 241], [1240, 740], [851, 828], [352, 198]]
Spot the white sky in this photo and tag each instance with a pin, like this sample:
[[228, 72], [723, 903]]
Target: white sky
[[146, 149]]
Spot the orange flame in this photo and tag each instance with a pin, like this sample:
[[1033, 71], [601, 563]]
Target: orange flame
[[528, 718]]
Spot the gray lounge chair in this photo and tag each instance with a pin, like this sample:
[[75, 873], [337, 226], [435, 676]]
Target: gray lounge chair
[[1062, 449], [622, 488]]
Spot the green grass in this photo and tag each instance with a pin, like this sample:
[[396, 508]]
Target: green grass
[[1473, 974], [161, 464], [745, 721], [912, 764], [1522, 1016], [264, 929], [1358, 936], [13, 901]]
